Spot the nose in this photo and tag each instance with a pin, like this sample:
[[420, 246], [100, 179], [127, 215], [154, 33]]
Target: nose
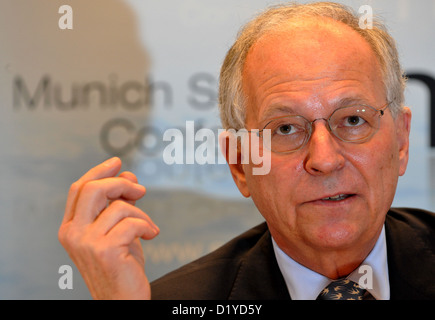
[[324, 152]]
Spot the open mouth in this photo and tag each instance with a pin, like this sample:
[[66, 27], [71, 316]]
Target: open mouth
[[338, 197]]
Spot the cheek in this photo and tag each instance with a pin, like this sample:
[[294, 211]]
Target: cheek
[[389, 171], [274, 192], [379, 168]]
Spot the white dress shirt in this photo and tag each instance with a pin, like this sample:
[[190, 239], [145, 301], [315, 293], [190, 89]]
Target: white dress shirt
[[305, 284]]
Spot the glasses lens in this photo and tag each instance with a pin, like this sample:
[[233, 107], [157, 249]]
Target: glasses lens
[[355, 124], [288, 133]]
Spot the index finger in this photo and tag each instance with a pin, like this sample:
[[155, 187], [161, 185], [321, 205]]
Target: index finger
[[95, 195], [107, 169]]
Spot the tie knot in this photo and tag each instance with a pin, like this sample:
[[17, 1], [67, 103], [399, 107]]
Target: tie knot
[[342, 289]]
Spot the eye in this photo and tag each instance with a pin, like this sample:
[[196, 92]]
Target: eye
[[285, 129], [353, 121], [288, 127]]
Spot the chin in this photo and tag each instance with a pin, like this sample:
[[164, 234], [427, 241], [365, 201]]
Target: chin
[[335, 237]]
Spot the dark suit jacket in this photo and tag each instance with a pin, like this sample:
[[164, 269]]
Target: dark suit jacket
[[246, 268]]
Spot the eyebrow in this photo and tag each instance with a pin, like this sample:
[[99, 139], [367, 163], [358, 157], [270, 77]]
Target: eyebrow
[[348, 101], [276, 110]]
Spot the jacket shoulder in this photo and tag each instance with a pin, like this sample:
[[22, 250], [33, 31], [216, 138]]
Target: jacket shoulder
[[411, 220], [411, 253], [212, 276]]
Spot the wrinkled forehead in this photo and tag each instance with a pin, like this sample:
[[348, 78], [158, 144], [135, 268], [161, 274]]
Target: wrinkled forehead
[[303, 40], [309, 55]]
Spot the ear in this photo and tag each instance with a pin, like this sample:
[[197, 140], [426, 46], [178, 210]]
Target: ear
[[403, 128], [233, 156]]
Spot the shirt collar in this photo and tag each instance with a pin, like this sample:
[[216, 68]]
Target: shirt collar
[[305, 284]]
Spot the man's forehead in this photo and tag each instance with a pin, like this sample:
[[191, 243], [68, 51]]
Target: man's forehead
[[323, 34], [309, 49], [305, 56]]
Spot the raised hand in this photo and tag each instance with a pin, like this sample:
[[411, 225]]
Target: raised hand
[[101, 231]]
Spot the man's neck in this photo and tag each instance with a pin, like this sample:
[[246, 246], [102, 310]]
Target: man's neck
[[333, 263]]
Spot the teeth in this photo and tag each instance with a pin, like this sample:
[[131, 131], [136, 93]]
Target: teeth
[[336, 198]]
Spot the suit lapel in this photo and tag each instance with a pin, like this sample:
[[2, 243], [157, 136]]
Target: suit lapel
[[259, 276]]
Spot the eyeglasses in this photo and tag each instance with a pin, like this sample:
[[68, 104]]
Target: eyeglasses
[[354, 124]]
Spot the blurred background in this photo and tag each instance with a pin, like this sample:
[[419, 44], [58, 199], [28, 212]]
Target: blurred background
[[112, 85]]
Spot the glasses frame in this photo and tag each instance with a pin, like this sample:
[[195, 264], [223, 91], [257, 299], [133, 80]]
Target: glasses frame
[[381, 112]]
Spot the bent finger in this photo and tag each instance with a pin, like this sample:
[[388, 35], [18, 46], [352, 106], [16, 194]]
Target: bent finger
[[115, 213], [130, 177], [108, 168], [95, 195], [129, 229]]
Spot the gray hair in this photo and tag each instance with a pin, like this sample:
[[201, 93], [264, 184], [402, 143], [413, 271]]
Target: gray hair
[[231, 97]]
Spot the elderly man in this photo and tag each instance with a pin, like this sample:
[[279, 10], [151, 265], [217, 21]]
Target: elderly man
[[331, 94]]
